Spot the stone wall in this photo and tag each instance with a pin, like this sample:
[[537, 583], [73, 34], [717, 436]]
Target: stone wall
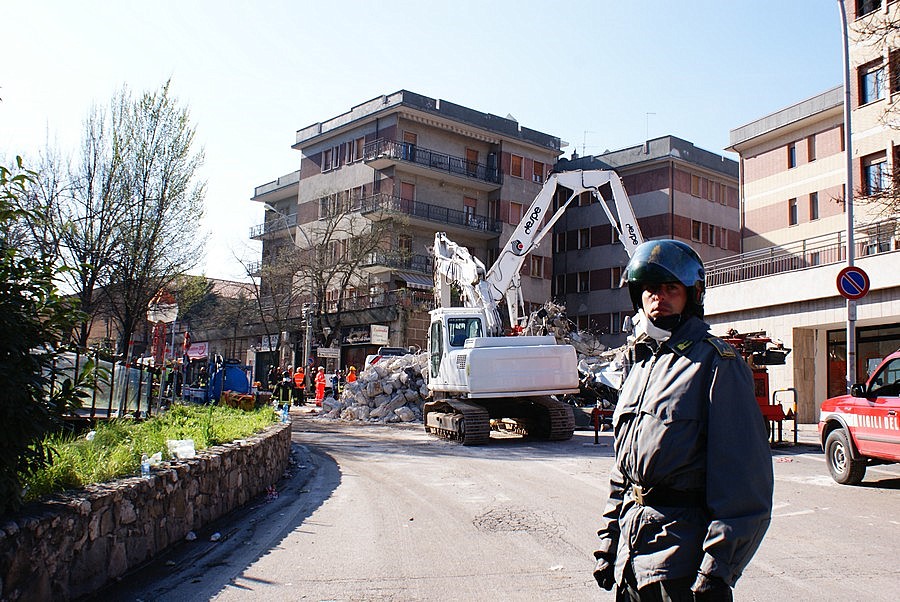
[[76, 543]]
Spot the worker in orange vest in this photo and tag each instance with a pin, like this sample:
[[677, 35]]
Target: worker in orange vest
[[299, 382], [351, 375], [320, 386]]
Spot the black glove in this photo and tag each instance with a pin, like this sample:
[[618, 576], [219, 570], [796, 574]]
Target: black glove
[[710, 587], [604, 571]]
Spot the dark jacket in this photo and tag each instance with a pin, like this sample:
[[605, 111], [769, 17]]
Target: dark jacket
[[687, 420]]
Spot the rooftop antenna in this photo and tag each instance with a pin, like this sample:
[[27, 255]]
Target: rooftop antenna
[[584, 141], [647, 137]]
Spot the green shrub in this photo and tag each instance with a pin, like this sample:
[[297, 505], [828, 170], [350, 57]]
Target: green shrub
[[116, 448]]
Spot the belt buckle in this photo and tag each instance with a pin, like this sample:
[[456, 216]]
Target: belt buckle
[[638, 492]]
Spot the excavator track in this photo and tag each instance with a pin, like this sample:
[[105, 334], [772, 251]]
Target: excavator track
[[458, 420], [561, 416]]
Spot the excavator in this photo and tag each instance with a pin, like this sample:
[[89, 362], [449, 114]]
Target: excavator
[[477, 376]]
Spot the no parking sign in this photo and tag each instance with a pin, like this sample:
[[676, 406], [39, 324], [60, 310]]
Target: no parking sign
[[852, 283]]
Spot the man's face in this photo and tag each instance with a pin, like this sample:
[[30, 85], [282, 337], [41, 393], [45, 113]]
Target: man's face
[[660, 300]]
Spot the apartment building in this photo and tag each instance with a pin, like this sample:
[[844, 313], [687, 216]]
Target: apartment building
[[424, 165], [677, 190], [793, 184]]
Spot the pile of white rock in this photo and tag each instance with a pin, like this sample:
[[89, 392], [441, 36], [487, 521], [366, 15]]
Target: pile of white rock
[[392, 390]]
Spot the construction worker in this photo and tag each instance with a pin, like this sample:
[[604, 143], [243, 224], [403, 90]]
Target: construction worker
[[299, 382], [351, 375], [691, 486], [320, 386]]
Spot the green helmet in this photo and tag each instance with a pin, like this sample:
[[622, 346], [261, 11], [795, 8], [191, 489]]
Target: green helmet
[[661, 261]]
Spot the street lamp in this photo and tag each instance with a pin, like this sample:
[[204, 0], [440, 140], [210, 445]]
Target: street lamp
[[307, 309]]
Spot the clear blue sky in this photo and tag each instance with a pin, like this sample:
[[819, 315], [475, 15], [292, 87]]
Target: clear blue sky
[[599, 74]]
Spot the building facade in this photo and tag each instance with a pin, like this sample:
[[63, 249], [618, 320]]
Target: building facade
[[677, 191], [793, 185], [426, 165]]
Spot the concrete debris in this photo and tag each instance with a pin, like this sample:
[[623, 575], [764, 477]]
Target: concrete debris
[[393, 390]]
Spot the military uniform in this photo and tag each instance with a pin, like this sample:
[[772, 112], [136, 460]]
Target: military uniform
[[691, 487]]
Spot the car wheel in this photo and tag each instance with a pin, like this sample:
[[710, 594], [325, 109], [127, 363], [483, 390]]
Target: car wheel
[[843, 468]]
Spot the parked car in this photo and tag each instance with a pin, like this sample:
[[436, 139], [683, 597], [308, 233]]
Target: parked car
[[863, 429], [384, 352]]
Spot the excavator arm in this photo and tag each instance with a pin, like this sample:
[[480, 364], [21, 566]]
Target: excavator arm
[[485, 289]]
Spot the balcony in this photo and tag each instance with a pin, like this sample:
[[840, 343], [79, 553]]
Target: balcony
[[430, 213], [411, 299], [395, 260], [383, 153], [278, 224], [872, 239]]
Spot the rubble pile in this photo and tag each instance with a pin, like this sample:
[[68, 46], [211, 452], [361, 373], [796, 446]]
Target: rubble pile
[[393, 390], [551, 319]]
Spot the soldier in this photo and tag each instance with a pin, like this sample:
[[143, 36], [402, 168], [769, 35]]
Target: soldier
[[691, 487]]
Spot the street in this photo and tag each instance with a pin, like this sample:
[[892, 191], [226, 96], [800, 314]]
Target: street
[[386, 512]]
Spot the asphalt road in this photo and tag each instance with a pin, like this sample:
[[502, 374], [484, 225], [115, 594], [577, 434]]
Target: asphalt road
[[376, 512]]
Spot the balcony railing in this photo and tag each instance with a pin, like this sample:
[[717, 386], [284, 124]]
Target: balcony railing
[[400, 261], [409, 298], [873, 239], [403, 151], [426, 211], [276, 224]]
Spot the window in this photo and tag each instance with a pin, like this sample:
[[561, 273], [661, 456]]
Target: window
[[538, 172], [336, 153], [723, 194], [723, 238], [894, 60], [811, 147], [792, 212], [537, 266], [460, 329], [584, 282], [327, 160], [864, 7], [711, 232], [871, 82], [696, 230], [713, 192], [560, 284], [615, 277], [813, 206], [792, 155], [875, 174], [559, 242], [584, 238], [615, 322], [584, 199], [471, 161], [404, 244], [359, 145], [515, 166], [515, 213], [470, 204], [695, 186]]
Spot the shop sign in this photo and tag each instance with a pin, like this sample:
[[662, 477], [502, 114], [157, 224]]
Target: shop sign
[[378, 334]]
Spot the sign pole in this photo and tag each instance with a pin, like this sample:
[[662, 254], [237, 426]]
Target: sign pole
[[848, 151]]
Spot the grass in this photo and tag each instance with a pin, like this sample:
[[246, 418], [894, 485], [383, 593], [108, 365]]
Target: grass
[[117, 445]]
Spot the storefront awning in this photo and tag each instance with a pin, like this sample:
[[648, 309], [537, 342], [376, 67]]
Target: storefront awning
[[416, 281]]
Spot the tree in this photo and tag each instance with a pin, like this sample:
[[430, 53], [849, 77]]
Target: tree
[[315, 275], [35, 323], [878, 32], [125, 219], [157, 233]]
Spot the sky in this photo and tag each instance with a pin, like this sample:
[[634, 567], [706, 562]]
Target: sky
[[599, 74]]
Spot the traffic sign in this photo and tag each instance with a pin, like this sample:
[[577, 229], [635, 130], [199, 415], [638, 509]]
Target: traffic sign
[[852, 283]]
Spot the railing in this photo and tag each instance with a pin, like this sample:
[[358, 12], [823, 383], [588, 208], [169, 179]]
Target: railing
[[426, 211], [409, 298], [401, 261], [403, 151], [281, 222], [872, 239]]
